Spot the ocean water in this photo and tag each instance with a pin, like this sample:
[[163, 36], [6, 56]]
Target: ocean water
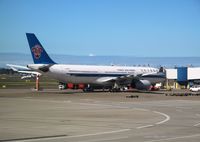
[[168, 62]]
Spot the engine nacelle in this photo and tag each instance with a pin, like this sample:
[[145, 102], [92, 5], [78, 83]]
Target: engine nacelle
[[142, 85]]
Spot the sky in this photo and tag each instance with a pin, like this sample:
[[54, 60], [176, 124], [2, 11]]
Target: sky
[[139, 28]]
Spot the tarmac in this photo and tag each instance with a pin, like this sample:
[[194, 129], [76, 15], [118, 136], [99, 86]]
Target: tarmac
[[73, 116]]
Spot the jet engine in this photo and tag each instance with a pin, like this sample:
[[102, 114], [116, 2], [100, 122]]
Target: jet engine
[[141, 84]]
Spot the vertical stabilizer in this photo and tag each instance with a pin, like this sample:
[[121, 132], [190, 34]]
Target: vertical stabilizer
[[39, 54]]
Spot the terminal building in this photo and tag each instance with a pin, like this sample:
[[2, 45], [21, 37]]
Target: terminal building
[[182, 77]]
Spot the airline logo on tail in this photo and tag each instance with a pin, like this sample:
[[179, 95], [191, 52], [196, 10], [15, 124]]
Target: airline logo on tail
[[37, 50], [38, 53]]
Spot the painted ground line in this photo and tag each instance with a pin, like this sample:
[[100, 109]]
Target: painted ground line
[[197, 124], [167, 117], [174, 138], [104, 139], [146, 126], [76, 136]]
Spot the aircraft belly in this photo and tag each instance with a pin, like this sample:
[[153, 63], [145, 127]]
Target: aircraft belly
[[75, 79], [72, 79]]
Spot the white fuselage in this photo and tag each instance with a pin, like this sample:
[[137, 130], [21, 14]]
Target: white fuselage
[[90, 74]]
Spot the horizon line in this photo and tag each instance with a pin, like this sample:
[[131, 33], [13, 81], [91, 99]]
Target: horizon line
[[107, 55]]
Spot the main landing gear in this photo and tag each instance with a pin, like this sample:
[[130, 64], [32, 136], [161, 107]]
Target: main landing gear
[[88, 89]]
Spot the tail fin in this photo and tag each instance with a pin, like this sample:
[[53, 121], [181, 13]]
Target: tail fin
[[39, 55]]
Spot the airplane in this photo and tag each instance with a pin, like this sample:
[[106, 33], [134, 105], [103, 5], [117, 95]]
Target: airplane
[[24, 71], [112, 77]]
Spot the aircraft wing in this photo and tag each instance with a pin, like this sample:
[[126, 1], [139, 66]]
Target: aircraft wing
[[120, 79], [106, 79], [17, 67], [30, 72], [126, 79], [24, 70]]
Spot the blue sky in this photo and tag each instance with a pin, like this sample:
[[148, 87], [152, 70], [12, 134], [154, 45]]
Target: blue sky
[[141, 28]]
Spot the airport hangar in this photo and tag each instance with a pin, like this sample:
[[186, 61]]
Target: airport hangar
[[182, 77]]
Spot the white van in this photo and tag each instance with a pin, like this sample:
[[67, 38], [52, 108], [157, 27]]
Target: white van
[[195, 88]]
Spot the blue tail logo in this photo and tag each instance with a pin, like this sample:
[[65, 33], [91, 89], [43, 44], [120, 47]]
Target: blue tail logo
[[39, 54], [37, 50]]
